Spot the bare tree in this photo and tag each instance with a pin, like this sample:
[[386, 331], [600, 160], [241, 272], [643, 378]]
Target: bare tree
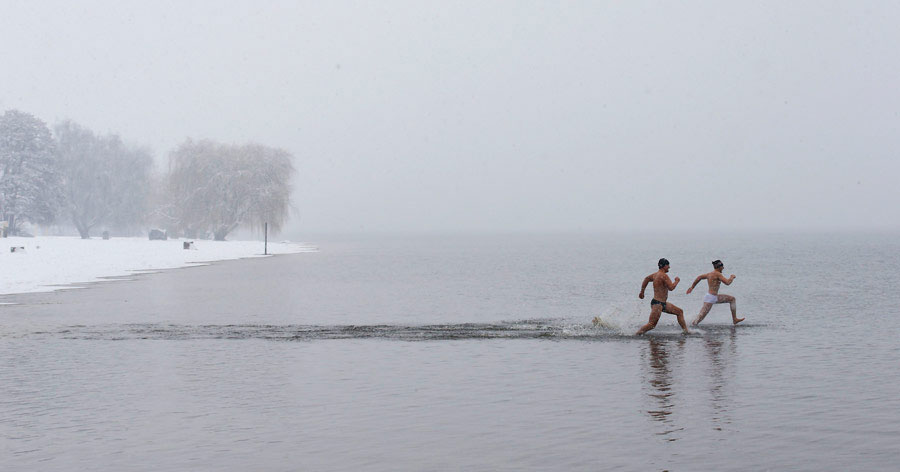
[[106, 181], [215, 188], [29, 181]]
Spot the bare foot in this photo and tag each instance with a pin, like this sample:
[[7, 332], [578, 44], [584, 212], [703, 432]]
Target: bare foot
[[737, 320], [695, 322]]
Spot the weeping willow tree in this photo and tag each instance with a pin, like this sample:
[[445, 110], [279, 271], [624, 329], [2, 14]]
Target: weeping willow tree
[[214, 188]]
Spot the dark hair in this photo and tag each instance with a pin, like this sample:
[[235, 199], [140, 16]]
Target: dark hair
[[717, 263], [663, 262]]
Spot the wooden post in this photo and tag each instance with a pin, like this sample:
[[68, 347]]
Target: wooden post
[[266, 244]]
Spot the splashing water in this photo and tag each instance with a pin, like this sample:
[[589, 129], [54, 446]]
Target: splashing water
[[622, 317]]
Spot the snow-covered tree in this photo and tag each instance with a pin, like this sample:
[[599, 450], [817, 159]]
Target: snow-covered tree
[[106, 182], [215, 188], [29, 180]]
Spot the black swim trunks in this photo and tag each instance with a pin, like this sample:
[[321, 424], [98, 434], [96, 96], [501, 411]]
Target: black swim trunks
[[657, 302]]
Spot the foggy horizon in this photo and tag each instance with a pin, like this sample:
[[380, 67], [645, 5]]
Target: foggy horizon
[[508, 117]]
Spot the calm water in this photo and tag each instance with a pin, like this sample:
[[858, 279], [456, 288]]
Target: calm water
[[464, 353]]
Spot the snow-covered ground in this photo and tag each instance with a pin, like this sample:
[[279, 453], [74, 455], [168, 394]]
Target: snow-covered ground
[[50, 263]]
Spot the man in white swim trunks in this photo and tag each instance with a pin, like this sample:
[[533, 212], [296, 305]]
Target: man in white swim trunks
[[714, 279]]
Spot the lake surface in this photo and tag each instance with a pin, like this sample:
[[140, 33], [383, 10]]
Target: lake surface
[[465, 353]]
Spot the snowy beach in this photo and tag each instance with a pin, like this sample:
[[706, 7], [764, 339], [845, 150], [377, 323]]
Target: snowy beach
[[50, 263]]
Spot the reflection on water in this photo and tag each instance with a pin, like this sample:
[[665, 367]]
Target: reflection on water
[[661, 391], [663, 371], [721, 357]]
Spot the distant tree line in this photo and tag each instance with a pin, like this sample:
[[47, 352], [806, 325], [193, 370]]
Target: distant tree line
[[75, 176]]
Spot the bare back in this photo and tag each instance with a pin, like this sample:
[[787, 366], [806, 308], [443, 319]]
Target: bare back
[[714, 279]]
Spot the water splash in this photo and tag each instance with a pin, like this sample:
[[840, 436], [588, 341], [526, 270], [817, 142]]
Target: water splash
[[621, 317]]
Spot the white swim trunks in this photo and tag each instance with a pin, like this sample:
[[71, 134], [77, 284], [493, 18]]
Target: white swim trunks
[[710, 298]]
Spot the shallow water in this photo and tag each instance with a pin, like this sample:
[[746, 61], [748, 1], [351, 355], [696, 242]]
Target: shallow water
[[476, 353]]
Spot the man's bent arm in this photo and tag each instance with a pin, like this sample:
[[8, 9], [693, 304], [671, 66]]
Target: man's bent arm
[[728, 280], [671, 284]]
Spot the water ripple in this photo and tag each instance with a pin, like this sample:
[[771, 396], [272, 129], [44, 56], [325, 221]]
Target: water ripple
[[550, 329]]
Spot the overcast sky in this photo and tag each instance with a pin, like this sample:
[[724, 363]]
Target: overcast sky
[[498, 116]]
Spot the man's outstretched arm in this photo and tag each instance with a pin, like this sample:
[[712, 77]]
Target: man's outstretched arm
[[646, 281], [696, 281]]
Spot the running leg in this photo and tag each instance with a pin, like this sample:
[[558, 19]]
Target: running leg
[[731, 301], [704, 310], [655, 311], [679, 314]]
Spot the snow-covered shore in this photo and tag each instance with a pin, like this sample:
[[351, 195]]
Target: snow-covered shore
[[50, 263]]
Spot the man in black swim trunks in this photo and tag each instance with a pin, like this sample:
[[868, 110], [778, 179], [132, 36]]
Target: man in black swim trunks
[[662, 285]]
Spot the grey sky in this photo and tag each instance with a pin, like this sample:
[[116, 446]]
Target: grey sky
[[498, 115]]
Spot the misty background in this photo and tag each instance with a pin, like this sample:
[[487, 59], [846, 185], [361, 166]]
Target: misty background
[[498, 116]]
